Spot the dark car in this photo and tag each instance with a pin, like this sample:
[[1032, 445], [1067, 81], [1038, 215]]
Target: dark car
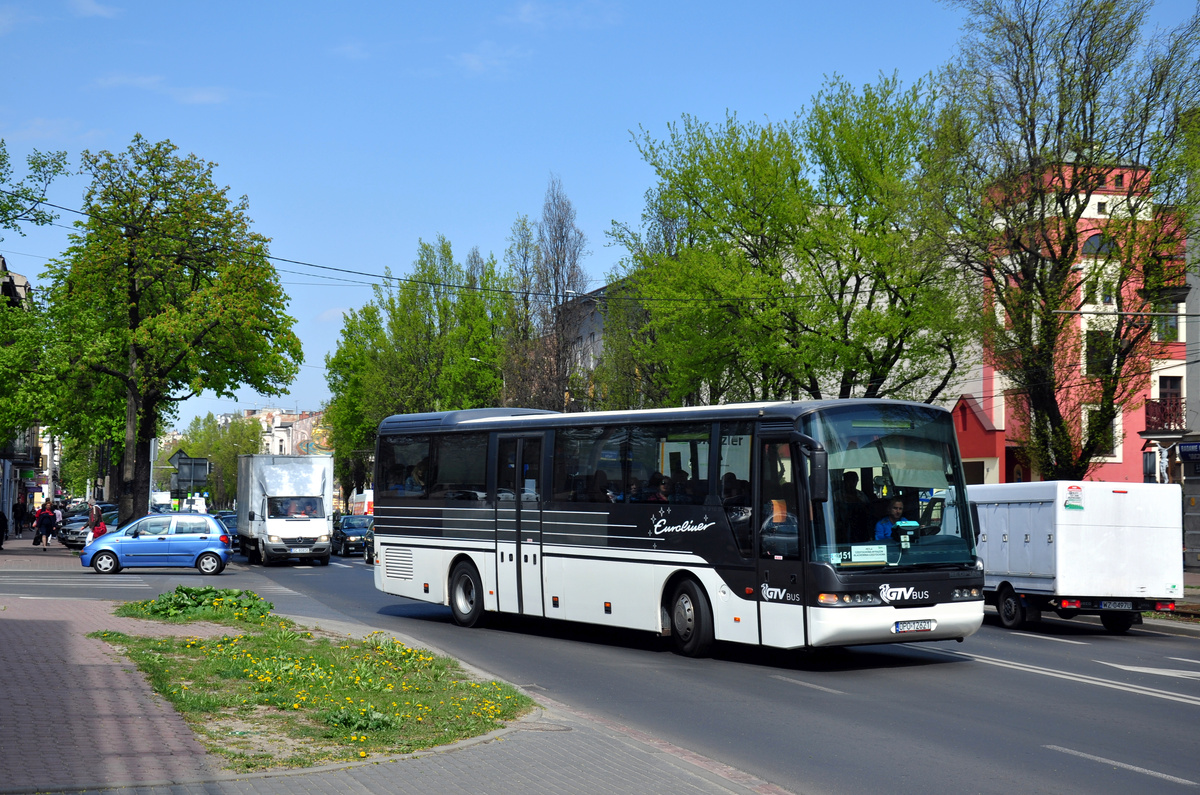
[[349, 532], [369, 547]]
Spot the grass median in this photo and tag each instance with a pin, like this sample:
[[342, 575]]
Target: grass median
[[272, 694]]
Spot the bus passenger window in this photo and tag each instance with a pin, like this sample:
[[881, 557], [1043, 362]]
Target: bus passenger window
[[735, 483], [403, 465]]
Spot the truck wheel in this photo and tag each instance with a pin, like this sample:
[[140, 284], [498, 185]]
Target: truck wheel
[[1117, 623], [263, 557], [250, 550], [466, 595], [1008, 605], [1066, 614], [324, 559], [691, 620]]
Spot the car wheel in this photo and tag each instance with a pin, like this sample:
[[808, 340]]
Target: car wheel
[[209, 563], [466, 595], [691, 620], [106, 563], [1117, 623], [340, 549], [1008, 605]]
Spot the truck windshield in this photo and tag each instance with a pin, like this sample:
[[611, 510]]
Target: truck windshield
[[295, 508], [896, 493]]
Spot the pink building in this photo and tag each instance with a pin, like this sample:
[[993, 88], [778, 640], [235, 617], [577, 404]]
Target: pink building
[[1145, 430]]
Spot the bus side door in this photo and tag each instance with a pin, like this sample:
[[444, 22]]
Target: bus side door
[[779, 545], [519, 524]]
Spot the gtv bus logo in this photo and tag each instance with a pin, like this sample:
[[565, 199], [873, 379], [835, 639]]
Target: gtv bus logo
[[778, 594], [889, 594]]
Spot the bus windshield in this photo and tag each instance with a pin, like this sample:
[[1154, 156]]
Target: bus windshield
[[896, 495]]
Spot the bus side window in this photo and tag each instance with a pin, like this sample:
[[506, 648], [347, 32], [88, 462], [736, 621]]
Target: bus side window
[[735, 483], [404, 465]]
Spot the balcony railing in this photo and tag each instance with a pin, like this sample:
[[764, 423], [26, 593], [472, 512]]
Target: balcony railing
[[1165, 414]]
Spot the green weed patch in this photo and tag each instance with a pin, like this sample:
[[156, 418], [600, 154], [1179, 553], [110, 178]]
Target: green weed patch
[[186, 604], [277, 696]]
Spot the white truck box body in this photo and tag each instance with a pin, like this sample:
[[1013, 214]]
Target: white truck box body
[[1082, 538], [263, 476]]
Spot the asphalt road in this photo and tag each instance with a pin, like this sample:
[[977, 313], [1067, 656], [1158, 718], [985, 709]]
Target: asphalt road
[[1063, 708]]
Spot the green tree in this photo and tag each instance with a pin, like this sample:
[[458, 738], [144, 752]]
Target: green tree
[[429, 342], [21, 330], [1067, 121], [166, 291], [221, 444], [799, 259]]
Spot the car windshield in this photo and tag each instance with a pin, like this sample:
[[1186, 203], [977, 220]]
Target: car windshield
[[356, 522], [896, 496]]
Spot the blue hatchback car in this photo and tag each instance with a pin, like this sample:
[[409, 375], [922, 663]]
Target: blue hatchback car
[[162, 539]]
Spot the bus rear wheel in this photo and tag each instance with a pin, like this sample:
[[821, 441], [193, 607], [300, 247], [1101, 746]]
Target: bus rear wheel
[[691, 620], [466, 595]]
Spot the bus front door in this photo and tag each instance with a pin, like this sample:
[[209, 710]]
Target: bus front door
[[779, 547], [519, 524]]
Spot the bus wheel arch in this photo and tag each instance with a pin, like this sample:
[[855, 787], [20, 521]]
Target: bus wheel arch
[[690, 615]]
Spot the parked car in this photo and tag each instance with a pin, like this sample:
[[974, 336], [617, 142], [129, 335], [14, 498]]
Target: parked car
[[348, 534], [369, 546], [162, 539], [68, 532], [75, 531]]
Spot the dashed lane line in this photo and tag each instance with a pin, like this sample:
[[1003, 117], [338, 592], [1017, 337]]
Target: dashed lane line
[[1133, 768]]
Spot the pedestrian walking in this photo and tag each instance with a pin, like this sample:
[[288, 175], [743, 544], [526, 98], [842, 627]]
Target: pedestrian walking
[[43, 527], [18, 516], [3, 528]]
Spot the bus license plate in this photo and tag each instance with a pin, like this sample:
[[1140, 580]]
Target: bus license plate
[[1116, 605], [299, 549], [922, 625]]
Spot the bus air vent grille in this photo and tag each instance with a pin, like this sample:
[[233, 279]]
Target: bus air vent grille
[[398, 562]]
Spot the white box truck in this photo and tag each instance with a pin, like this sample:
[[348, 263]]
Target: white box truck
[[1080, 548], [285, 507]]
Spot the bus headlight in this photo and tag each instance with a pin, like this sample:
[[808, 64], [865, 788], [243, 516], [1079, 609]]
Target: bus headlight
[[966, 593]]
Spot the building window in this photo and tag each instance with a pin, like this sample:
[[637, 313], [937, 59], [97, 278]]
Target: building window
[[1166, 327], [1102, 208], [1119, 180], [1098, 354], [1106, 436]]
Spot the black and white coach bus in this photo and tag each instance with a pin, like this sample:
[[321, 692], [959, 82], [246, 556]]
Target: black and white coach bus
[[792, 525]]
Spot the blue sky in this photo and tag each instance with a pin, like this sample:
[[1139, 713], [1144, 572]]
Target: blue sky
[[357, 129]]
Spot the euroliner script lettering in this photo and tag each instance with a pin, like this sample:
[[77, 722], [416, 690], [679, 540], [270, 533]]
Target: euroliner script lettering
[[889, 594], [661, 527]]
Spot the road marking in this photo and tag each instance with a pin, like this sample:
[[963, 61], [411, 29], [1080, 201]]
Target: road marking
[[341, 565], [807, 684], [1122, 765], [1184, 659], [1136, 669], [1047, 637], [1077, 678]]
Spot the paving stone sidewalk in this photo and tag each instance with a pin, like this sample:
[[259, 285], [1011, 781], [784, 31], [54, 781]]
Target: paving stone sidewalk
[[75, 715]]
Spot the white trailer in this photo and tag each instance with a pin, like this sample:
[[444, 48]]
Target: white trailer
[[285, 507], [1080, 548]]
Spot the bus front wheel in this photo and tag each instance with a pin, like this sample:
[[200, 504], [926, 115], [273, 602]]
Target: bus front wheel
[[691, 620], [466, 595]]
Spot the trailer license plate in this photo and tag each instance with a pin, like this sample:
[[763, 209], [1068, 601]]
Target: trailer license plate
[[923, 625], [1116, 605], [299, 549]]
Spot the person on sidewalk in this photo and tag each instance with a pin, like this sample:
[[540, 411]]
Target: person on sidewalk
[[18, 516], [3, 528], [44, 527]]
